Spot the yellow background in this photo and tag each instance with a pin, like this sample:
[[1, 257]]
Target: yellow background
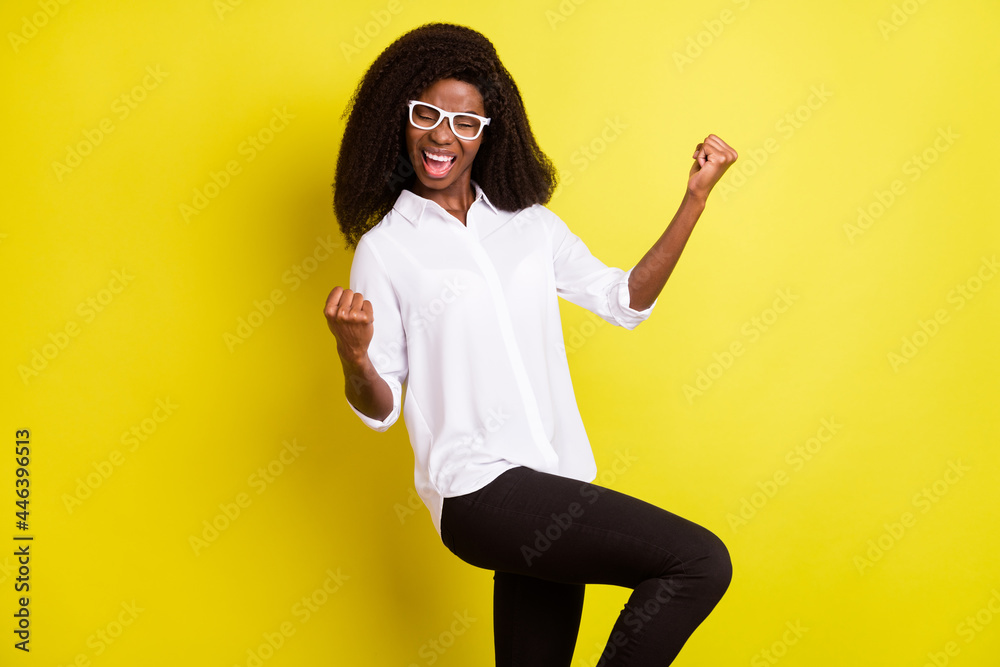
[[617, 107]]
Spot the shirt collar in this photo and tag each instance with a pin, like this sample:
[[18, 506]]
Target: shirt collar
[[412, 206]]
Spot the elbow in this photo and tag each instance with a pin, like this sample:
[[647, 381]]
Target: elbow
[[626, 309], [374, 423]]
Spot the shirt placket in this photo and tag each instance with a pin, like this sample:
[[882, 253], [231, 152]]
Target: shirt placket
[[468, 233]]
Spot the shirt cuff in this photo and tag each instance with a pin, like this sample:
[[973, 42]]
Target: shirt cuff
[[627, 317], [391, 418]]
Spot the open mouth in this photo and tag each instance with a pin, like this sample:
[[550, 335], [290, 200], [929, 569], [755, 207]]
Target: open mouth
[[437, 165]]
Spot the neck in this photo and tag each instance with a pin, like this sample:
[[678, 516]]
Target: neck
[[458, 197]]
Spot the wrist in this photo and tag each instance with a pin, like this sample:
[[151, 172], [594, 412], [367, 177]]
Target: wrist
[[352, 358], [694, 199]]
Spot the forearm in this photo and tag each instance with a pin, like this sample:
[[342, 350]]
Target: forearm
[[650, 275], [364, 387]]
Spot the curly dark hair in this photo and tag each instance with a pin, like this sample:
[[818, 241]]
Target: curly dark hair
[[373, 166]]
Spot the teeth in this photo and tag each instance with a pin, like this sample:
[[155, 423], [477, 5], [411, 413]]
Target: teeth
[[438, 158]]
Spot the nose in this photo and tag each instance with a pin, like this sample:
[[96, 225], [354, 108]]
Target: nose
[[442, 134]]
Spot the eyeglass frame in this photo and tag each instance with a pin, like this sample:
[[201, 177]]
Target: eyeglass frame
[[450, 115]]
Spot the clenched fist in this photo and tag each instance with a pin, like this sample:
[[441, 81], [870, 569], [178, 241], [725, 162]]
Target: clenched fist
[[351, 320], [712, 158]]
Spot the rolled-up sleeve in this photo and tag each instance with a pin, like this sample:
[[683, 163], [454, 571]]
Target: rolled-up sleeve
[[586, 281], [387, 349]]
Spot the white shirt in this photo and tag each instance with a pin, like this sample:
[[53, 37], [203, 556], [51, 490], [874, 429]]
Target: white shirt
[[467, 317]]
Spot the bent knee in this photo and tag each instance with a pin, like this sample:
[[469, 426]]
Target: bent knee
[[722, 565], [712, 571]]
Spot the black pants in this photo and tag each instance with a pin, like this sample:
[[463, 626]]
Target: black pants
[[546, 536]]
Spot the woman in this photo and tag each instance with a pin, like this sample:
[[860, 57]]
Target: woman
[[440, 189]]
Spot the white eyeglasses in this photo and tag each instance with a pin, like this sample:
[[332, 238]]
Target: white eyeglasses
[[466, 126]]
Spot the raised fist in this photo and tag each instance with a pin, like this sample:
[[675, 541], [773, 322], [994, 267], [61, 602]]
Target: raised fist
[[712, 158], [351, 320]]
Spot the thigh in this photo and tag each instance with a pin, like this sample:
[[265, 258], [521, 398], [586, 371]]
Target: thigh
[[560, 529], [535, 621]]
